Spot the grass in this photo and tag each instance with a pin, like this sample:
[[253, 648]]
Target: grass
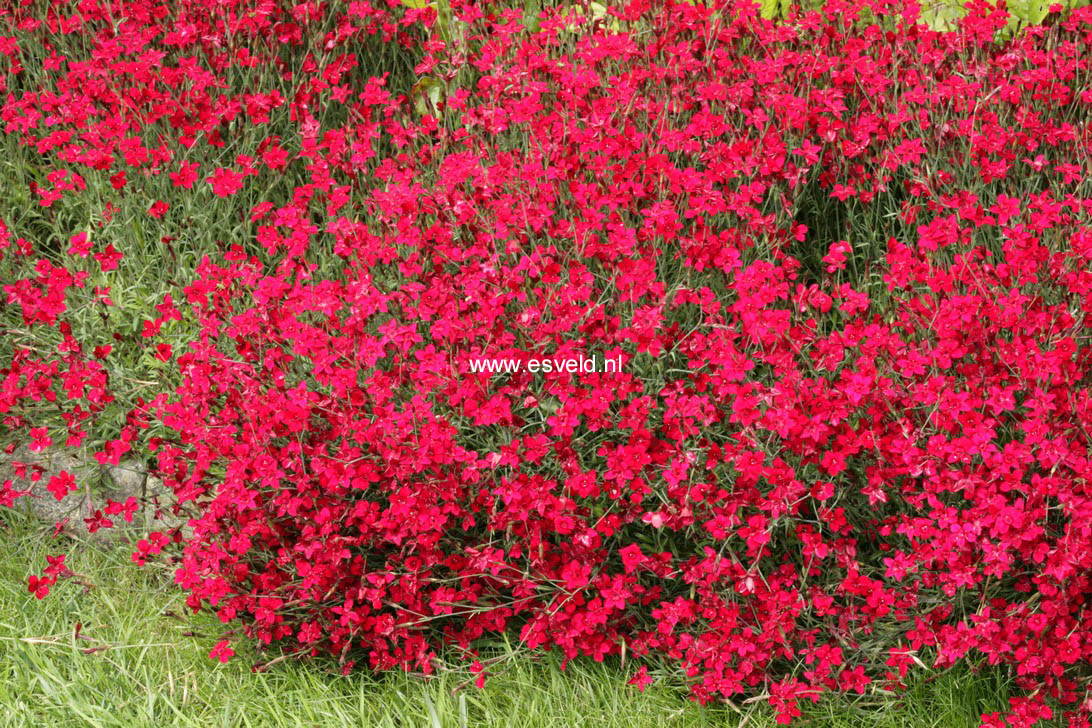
[[142, 660]]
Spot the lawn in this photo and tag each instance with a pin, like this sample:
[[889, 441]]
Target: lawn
[[116, 646]]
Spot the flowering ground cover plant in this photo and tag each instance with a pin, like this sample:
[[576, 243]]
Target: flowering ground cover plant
[[844, 261]]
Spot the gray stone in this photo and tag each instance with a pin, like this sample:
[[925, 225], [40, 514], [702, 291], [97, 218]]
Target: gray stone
[[95, 484]]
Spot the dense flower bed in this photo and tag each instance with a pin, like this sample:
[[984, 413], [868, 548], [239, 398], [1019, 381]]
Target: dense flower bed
[[844, 260]]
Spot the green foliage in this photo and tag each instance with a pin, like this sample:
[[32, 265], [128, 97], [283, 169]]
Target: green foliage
[[776, 9]]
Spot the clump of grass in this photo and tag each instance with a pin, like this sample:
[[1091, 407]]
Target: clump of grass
[[117, 646]]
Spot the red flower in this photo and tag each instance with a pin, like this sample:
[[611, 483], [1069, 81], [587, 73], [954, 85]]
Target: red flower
[[61, 485], [39, 587], [478, 669], [641, 679], [108, 258], [225, 182], [80, 245], [40, 439], [222, 651], [275, 157], [185, 176]]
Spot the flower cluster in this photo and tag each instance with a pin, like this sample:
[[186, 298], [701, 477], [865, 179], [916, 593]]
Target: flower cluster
[[844, 258]]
